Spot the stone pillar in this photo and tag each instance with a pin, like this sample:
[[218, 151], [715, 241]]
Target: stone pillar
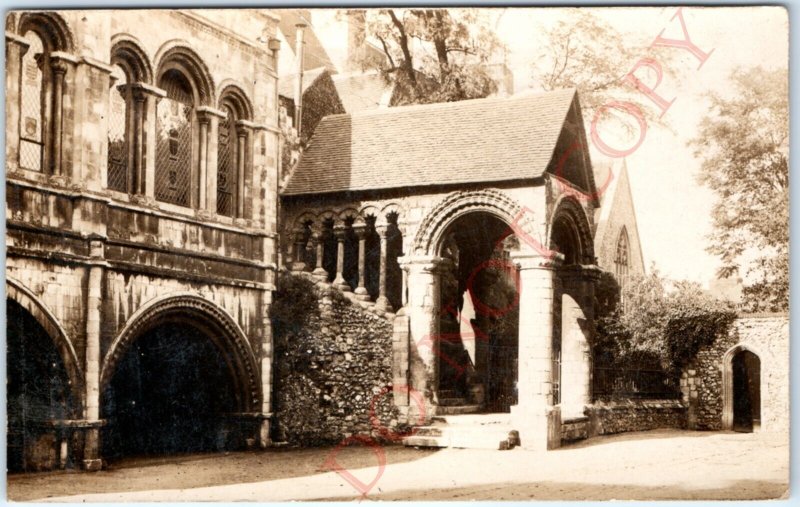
[[91, 452], [340, 233], [423, 314], [318, 241], [534, 416], [213, 164], [16, 47], [137, 175], [241, 156], [361, 234], [59, 71], [382, 302], [576, 354], [203, 166], [299, 248]]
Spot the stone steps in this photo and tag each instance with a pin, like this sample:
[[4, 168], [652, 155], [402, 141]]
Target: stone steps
[[367, 305], [457, 409], [471, 431]]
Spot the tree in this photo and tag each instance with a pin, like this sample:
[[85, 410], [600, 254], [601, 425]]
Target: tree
[[589, 54], [743, 142], [433, 55]]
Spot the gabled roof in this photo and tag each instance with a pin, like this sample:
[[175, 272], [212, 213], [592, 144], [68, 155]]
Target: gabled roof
[[286, 83], [481, 140], [314, 54]]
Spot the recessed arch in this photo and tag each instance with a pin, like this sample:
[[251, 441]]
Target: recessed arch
[[728, 381], [51, 27], [178, 55], [127, 52], [235, 97], [206, 315], [494, 202], [17, 292], [570, 214]]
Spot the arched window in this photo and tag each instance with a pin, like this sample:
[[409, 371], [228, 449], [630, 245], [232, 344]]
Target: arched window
[[33, 101], [119, 132], [227, 164], [175, 119], [622, 257]]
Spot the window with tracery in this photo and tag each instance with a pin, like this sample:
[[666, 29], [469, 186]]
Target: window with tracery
[[174, 117], [118, 133], [33, 97]]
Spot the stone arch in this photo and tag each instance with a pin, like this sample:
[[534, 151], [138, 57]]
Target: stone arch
[[347, 213], [127, 52], [211, 318], [178, 55], [51, 27], [233, 94], [369, 210], [17, 292], [428, 238], [568, 211], [727, 381], [388, 209]]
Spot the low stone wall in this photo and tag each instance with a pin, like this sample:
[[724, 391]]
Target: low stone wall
[[610, 417], [332, 370], [766, 335]]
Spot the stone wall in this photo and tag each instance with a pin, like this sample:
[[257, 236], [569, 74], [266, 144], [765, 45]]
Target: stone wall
[[332, 370], [635, 415], [766, 335]]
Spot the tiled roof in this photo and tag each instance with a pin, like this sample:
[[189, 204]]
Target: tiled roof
[[360, 92], [480, 140]]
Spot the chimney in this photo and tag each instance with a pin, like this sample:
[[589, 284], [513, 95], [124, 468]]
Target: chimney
[[356, 35], [298, 86]]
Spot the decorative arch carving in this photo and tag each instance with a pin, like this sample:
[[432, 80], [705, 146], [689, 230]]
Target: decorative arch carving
[[456, 204], [179, 55], [234, 95], [17, 292], [569, 209], [51, 27], [214, 321], [727, 381], [127, 52]]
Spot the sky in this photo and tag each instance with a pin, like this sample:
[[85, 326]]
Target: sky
[[672, 208]]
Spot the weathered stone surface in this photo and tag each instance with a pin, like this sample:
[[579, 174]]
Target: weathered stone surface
[[635, 415]]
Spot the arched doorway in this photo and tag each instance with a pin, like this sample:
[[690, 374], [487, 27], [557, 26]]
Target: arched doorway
[[179, 382], [39, 395], [746, 369], [477, 346]]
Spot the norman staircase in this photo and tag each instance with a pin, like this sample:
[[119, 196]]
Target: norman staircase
[[466, 431]]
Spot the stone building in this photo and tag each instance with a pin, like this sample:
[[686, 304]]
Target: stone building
[[141, 177], [438, 213]]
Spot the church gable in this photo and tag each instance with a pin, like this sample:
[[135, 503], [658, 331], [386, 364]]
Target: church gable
[[570, 161]]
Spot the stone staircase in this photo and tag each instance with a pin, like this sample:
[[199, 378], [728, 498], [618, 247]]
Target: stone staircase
[[466, 431], [366, 305]]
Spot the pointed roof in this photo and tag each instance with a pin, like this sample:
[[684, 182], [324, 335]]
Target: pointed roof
[[483, 140], [314, 55]]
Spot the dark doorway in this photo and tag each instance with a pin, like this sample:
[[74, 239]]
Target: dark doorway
[[38, 392], [172, 392], [746, 391]]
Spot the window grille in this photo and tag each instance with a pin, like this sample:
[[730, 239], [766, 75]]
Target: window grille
[[226, 165], [174, 143], [31, 145], [118, 135]]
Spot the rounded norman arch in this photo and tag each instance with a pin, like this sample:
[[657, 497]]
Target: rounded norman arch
[[727, 382], [51, 27], [127, 52], [213, 320], [235, 97], [178, 55], [429, 235], [570, 213], [17, 292]]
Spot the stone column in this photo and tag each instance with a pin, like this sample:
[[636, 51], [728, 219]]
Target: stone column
[[241, 157], [299, 248], [137, 175], [318, 240], [423, 314], [340, 233], [91, 452], [212, 151], [59, 71], [202, 177], [16, 47], [148, 147], [361, 234], [534, 416], [382, 301]]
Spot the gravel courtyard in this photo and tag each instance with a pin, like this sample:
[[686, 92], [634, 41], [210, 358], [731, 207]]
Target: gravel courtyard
[[661, 464]]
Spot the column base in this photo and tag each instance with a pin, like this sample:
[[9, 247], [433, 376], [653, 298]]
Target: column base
[[298, 266], [361, 294], [383, 304], [93, 465], [539, 427], [341, 284], [320, 274]]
